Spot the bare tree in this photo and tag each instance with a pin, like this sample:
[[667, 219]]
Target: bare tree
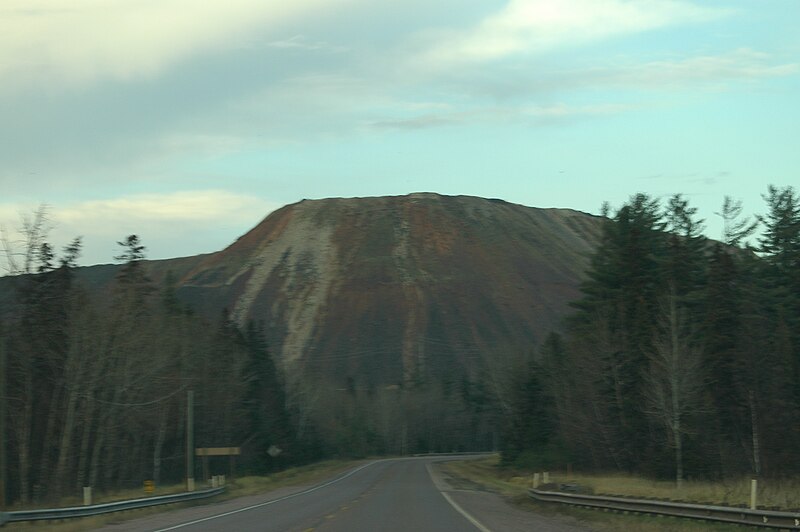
[[674, 379], [22, 254]]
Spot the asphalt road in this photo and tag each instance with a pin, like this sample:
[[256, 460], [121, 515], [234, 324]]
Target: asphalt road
[[406, 494]]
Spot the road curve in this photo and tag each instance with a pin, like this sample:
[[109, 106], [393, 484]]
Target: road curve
[[400, 494]]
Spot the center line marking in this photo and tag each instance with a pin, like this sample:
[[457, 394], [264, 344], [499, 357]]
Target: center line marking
[[267, 503]]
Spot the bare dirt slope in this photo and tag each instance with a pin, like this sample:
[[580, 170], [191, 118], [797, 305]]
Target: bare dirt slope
[[387, 290]]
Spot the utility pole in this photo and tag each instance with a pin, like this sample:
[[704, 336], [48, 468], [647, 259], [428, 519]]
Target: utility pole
[[190, 440]]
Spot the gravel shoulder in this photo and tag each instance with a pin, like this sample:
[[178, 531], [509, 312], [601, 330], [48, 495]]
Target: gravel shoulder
[[494, 511]]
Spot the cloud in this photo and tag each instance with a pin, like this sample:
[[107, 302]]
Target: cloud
[[172, 224], [301, 42], [187, 206], [564, 111], [536, 26], [720, 71], [90, 40], [530, 114], [741, 64]]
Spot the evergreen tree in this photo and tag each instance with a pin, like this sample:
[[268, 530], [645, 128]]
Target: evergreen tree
[[778, 280], [624, 281], [265, 404], [735, 229]]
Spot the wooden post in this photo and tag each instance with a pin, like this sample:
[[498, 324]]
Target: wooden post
[[753, 493], [535, 480], [87, 495], [3, 343], [190, 440]]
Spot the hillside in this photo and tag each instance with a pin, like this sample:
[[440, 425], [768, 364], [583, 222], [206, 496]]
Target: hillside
[[389, 290], [386, 290], [398, 323]]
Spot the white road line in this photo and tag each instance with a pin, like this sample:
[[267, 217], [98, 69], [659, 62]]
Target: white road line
[[460, 510], [441, 486], [315, 488]]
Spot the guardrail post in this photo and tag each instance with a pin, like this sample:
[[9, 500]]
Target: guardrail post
[[753, 493], [535, 480], [546, 477], [87, 495]]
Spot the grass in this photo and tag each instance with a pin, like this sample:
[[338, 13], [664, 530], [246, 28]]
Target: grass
[[772, 494], [513, 484], [251, 485]]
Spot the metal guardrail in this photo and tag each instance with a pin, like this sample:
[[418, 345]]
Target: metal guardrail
[[726, 514], [455, 453], [97, 509]]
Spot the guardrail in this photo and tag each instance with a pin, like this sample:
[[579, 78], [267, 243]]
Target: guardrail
[[97, 509], [455, 453], [726, 514]]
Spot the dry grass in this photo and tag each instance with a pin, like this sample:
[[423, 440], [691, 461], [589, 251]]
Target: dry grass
[[783, 494], [297, 476], [252, 485], [772, 494], [514, 485]]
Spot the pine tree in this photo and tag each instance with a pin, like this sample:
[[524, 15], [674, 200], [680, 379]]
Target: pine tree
[[265, 404], [621, 292]]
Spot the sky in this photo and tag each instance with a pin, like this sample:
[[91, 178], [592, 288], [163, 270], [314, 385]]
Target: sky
[[188, 122]]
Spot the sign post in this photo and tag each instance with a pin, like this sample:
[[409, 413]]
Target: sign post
[[205, 452]]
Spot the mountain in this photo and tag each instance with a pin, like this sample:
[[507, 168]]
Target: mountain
[[389, 290], [399, 322]]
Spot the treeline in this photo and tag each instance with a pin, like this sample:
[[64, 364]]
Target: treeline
[[359, 419], [682, 358], [96, 387]]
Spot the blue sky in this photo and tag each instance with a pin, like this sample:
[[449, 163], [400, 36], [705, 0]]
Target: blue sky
[[188, 122]]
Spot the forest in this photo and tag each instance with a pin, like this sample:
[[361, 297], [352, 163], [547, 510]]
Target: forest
[[681, 360], [96, 387], [682, 357]]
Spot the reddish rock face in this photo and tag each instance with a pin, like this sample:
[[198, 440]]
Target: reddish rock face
[[393, 289]]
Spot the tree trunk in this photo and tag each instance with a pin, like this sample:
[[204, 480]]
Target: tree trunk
[[754, 424], [676, 431], [83, 460], [24, 439], [159, 443], [45, 478], [65, 448]]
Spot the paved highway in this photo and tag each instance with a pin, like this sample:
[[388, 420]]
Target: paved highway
[[405, 494]]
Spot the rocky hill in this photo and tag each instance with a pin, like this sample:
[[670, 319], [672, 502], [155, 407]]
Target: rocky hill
[[391, 289]]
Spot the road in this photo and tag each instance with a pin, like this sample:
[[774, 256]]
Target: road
[[405, 494]]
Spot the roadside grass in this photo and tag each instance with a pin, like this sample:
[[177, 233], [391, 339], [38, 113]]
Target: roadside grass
[[295, 476], [514, 483], [772, 493], [240, 487]]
